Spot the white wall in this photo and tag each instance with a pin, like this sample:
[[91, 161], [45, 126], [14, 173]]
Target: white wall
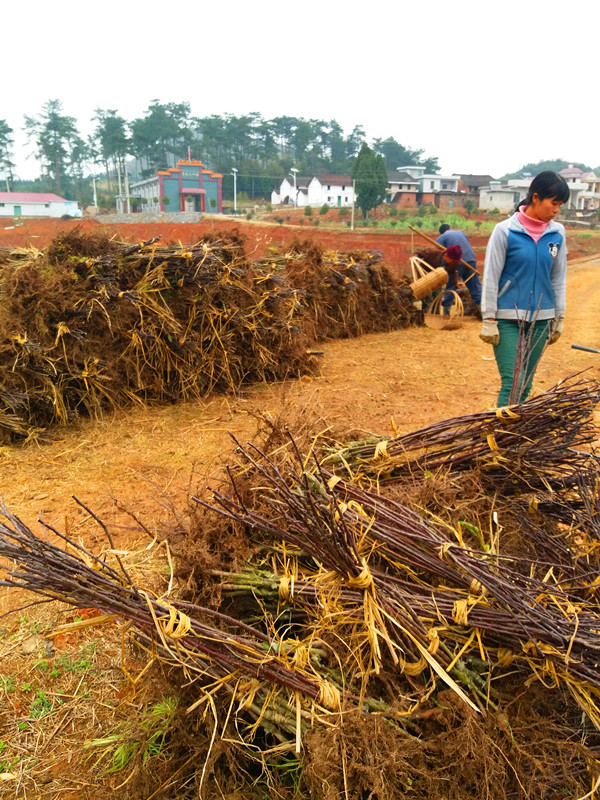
[[319, 194], [40, 209]]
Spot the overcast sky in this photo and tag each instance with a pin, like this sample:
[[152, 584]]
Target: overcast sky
[[485, 86]]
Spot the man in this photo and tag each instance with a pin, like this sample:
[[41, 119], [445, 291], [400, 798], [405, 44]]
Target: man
[[450, 260], [449, 238]]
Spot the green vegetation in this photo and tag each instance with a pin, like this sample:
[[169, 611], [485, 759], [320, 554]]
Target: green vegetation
[[370, 175], [308, 212], [143, 736]]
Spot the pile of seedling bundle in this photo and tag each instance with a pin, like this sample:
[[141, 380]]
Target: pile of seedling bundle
[[347, 293], [91, 324], [433, 634]]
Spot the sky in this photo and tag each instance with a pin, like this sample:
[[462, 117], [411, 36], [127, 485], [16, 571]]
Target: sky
[[486, 87]]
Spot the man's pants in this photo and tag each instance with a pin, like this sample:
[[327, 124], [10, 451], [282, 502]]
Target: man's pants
[[474, 285], [536, 334]]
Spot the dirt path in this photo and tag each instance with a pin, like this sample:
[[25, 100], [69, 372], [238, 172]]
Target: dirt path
[[405, 379]]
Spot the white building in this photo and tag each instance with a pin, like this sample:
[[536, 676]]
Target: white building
[[36, 204], [431, 183], [584, 188], [318, 190], [503, 196]]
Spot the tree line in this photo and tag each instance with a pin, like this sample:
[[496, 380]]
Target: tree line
[[262, 150]]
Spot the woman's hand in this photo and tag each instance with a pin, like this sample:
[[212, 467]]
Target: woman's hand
[[556, 328], [489, 332]]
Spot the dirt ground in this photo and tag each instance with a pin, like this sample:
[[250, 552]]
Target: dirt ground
[[380, 383], [377, 383]]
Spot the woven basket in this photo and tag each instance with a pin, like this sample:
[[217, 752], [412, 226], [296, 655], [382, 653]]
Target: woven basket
[[436, 319], [426, 279]]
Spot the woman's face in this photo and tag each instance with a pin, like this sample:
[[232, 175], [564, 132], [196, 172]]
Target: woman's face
[[545, 209]]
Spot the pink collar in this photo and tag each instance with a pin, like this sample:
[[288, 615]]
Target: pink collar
[[534, 227]]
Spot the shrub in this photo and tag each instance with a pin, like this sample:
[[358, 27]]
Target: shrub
[[324, 209], [348, 223], [249, 214], [269, 207], [288, 218], [393, 223], [188, 198], [402, 213], [494, 212], [433, 210], [394, 211], [317, 221], [308, 211], [165, 200], [374, 223], [422, 211], [343, 212], [279, 220]]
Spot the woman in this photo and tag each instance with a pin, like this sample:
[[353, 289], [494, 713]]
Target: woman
[[524, 280]]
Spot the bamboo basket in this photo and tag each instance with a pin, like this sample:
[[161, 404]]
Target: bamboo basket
[[435, 318], [426, 279]]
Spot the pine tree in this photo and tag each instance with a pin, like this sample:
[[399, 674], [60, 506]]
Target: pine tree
[[371, 179]]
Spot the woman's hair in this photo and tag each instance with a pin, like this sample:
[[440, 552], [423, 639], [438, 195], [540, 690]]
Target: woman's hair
[[546, 184], [444, 227]]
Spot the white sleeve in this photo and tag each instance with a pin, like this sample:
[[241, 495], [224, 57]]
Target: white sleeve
[[558, 278], [495, 258]]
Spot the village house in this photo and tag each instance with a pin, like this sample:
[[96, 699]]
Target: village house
[[36, 204], [318, 190], [187, 187], [402, 189], [584, 187], [473, 183]]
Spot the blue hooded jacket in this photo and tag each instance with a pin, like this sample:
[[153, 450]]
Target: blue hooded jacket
[[524, 279]]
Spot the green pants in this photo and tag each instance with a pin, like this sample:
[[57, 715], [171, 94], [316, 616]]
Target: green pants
[[536, 336]]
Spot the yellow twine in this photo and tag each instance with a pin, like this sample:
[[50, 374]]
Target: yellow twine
[[178, 625], [300, 656], [329, 696], [505, 412], [491, 440], [476, 587], [381, 450], [460, 612], [286, 588], [443, 551], [364, 579], [533, 505], [333, 481]]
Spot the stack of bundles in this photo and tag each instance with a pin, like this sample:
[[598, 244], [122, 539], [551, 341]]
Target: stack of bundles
[[428, 640], [347, 294], [92, 324], [517, 448]]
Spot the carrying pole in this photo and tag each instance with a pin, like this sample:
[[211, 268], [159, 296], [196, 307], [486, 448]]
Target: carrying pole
[[441, 247]]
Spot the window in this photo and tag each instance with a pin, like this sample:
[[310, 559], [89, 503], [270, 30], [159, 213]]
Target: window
[[431, 184], [328, 199], [46, 205], [343, 188], [444, 185], [1, 205], [329, 188]]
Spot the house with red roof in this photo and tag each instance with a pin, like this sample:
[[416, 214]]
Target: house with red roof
[[36, 204]]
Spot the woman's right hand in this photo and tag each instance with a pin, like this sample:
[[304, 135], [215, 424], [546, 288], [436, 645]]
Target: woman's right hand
[[489, 332]]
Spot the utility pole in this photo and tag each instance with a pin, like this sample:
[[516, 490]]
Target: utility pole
[[119, 179], [95, 195], [234, 173], [293, 170], [128, 205], [353, 196]]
